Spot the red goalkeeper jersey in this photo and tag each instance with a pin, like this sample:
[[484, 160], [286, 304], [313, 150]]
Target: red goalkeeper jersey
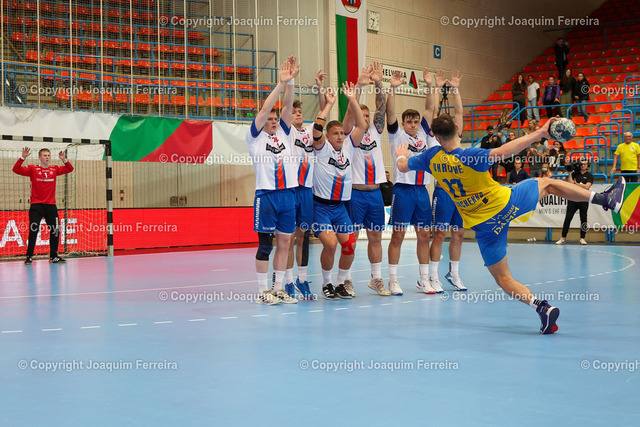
[[43, 180]]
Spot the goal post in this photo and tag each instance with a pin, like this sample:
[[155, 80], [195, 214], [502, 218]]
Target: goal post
[[84, 197]]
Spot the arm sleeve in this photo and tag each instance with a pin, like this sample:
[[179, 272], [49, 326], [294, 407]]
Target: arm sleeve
[[284, 127], [590, 178], [255, 131], [476, 158], [421, 162], [21, 170], [393, 128]]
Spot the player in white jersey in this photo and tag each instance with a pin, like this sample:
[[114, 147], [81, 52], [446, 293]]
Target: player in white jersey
[[302, 145], [411, 203], [332, 180], [276, 177], [445, 214], [366, 207]]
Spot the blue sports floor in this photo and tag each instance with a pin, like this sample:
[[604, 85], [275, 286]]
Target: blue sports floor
[[471, 358]]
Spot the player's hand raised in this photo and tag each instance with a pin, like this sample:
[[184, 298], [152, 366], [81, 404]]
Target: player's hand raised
[[62, 156], [402, 150], [25, 152], [455, 78], [320, 76], [545, 128], [376, 72], [397, 79], [330, 96], [440, 80], [426, 75]]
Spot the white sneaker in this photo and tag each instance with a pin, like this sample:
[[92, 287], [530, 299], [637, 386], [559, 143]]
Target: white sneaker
[[348, 286], [394, 287], [424, 285], [583, 242], [436, 285], [378, 286], [562, 241], [267, 298], [284, 297], [455, 281]]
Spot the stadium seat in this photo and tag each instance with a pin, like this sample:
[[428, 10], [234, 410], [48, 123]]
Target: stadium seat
[[604, 108], [594, 120]]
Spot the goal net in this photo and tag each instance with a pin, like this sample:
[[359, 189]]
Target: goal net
[[80, 198]]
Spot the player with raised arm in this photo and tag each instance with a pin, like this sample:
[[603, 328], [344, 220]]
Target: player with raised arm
[[332, 180], [488, 208], [445, 215], [366, 207], [276, 177], [411, 203], [302, 146], [43, 199]]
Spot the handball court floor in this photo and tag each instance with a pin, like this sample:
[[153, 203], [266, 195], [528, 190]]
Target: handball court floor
[[129, 349]]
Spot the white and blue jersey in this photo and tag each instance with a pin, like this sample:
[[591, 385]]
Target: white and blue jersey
[[333, 174], [274, 162], [302, 146], [417, 145]]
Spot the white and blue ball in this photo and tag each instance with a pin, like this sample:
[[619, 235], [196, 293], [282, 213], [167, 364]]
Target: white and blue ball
[[562, 130]]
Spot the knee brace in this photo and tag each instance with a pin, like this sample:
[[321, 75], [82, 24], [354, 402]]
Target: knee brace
[[348, 247], [305, 248], [265, 246]]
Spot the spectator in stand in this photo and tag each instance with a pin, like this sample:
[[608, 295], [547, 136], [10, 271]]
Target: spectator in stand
[[561, 49], [581, 95], [551, 96], [533, 123], [387, 190], [629, 154], [545, 172], [518, 92], [533, 96], [485, 141], [567, 82], [507, 163], [495, 142], [557, 156], [584, 179], [517, 174], [537, 157]]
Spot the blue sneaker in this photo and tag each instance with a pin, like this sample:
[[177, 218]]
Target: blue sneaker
[[455, 281], [291, 291], [548, 316], [615, 195], [303, 288]]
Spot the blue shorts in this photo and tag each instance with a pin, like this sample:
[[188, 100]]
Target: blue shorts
[[331, 217], [492, 234], [445, 213], [366, 208], [304, 208], [411, 205], [272, 211]]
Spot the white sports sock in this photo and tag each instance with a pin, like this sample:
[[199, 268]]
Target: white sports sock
[[342, 275], [302, 274], [262, 281], [433, 269], [326, 277], [376, 270], [393, 272], [593, 193], [424, 270], [453, 268], [348, 276], [277, 285], [288, 276]]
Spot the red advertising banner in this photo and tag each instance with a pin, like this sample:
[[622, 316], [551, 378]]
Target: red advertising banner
[[83, 230]]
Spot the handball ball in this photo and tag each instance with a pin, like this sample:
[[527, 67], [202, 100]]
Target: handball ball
[[562, 130]]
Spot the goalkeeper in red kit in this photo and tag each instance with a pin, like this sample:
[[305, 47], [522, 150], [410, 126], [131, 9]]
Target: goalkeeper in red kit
[[43, 199]]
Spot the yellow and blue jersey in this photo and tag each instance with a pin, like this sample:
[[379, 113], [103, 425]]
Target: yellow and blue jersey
[[464, 175]]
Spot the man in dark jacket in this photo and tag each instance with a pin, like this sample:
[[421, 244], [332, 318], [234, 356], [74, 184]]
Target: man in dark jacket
[[562, 49], [485, 142], [551, 97]]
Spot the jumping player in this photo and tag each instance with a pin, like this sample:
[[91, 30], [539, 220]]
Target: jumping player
[[276, 177], [332, 187], [411, 203], [445, 215], [366, 206], [43, 199], [488, 207], [302, 146]]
